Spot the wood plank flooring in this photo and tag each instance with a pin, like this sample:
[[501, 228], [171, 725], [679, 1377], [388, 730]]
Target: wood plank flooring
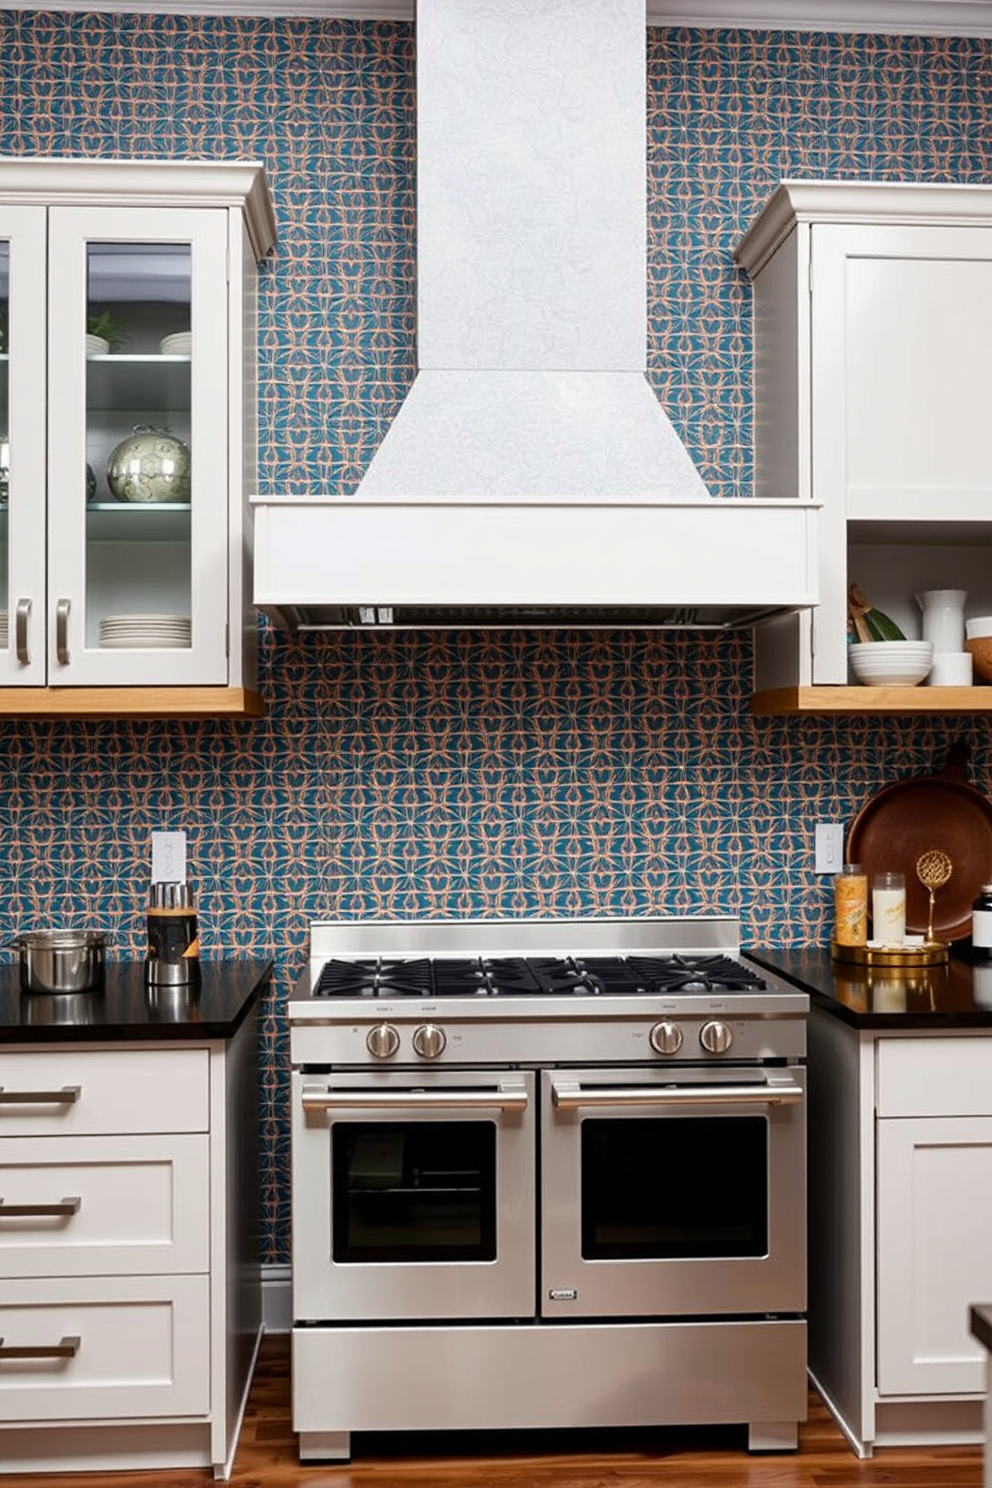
[[710, 1458]]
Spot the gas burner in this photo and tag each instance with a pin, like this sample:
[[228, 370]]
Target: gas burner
[[695, 974], [375, 978]]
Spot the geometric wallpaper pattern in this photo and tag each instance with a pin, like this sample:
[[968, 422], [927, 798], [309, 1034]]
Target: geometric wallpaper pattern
[[587, 773]]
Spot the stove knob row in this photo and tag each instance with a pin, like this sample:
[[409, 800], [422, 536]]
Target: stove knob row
[[382, 1041], [666, 1038], [716, 1037], [429, 1041]]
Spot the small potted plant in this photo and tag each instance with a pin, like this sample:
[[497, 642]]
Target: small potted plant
[[104, 334]]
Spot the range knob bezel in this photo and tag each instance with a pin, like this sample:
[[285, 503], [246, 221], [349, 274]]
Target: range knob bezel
[[382, 1041], [715, 1036], [666, 1037], [429, 1041]]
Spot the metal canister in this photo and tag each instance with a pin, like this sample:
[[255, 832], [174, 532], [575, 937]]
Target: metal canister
[[173, 936]]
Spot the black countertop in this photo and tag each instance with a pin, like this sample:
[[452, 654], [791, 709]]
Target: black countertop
[[957, 994], [125, 1009]]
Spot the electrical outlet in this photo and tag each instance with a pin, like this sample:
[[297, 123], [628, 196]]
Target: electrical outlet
[[829, 840]]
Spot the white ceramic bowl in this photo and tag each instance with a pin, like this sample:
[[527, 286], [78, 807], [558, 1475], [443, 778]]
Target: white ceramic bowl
[[890, 663], [980, 625]]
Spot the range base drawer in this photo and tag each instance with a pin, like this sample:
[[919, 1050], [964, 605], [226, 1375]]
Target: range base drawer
[[143, 1348]]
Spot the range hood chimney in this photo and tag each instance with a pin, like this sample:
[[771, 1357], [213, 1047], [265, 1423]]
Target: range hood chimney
[[531, 476]]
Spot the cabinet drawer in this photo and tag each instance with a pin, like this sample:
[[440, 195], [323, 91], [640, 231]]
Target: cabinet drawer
[[132, 1205], [934, 1077], [70, 1092], [143, 1348]]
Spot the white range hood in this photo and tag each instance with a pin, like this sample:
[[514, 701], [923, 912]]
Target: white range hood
[[531, 476]]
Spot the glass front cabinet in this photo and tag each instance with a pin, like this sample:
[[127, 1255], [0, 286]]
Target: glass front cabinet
[[127, 435]]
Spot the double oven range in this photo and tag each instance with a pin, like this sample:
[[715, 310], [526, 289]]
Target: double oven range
[[546, 1174]]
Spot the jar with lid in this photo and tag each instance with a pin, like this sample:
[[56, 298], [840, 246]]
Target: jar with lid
[[851, 906], [981, 925]]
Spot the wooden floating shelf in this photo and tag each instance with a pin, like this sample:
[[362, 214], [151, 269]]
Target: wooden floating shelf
[[130, 702], [906, 700]]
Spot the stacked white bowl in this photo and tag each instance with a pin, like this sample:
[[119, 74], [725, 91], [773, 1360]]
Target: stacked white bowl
[[890, 663]]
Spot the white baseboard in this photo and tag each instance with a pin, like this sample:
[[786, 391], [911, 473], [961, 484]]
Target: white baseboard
[[277, 1298]]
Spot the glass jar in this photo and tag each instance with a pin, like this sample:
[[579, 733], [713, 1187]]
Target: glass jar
[[888, 908], [851, 906], [981, 925]]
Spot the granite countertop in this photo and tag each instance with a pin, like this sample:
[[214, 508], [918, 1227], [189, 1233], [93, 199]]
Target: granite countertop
[[957, 994], [126, 1009]]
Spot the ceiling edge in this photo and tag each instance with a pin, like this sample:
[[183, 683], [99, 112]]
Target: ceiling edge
[[893, 17]]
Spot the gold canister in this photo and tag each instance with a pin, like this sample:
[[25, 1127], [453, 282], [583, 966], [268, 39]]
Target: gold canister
[[851, 906]]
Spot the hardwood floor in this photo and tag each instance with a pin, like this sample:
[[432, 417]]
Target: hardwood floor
[[698, 1458]]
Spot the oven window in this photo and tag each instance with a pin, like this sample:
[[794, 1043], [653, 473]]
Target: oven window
[[414, 1191], [674, 1188]]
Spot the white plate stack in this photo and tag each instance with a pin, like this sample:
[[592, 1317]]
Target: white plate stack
[[152, 631], [179, 344], [4, 630]]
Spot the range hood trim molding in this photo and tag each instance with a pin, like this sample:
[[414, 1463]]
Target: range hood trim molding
[[725, 556]]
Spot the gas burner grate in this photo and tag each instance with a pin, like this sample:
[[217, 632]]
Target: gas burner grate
[[534, 976], [695, 974], [375, 978]]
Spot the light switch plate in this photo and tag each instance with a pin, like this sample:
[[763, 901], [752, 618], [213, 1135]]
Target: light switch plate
[[829, 842], [168, 857]]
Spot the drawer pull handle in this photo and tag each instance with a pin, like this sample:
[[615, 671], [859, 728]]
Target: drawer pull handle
[[30, 1211], [67, 1096], [67, 1348]]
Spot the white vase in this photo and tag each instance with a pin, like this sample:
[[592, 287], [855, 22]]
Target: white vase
[[943, 618]]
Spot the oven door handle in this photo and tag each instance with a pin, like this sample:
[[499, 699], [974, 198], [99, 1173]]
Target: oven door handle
[[316, 1099], [570, 1096]]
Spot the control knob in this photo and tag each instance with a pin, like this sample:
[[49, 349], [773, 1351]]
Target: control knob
[[382, 1041], [716, 1037], [429, 1041], [666, 1037]]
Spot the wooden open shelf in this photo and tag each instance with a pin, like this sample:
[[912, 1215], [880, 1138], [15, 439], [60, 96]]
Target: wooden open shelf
[[793, 700], [130, 702]]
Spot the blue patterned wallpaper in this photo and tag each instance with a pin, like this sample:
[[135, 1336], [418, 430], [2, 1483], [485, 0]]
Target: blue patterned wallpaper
[[590, 773]]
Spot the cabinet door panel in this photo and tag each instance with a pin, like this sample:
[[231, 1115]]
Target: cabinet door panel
[[22, 445], [136, 1204], [152, 423], [934, 1197], [901, 383]]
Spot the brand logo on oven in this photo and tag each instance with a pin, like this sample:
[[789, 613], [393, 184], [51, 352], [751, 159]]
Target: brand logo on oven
[[564, 1294]]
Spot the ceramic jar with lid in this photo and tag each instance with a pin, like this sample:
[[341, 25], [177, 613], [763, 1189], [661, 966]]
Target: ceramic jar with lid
[[150, 465]]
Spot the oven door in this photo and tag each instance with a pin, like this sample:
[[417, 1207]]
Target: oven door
[[673, 1194], [413, 1195]]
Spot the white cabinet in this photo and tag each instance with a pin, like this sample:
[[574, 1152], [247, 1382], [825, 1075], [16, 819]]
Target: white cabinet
[[128, 591], [129, 1302], [872, 321], [900, 1189]]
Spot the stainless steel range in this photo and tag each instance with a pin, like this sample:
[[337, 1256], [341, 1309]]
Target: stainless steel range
[[546, 1174]]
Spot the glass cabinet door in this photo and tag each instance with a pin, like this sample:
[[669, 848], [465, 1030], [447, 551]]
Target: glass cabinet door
[[137, 445], [22, 445]]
